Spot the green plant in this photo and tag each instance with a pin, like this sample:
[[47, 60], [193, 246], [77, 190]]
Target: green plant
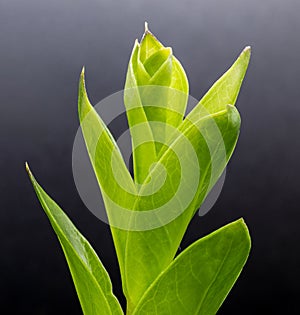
[[198, 279]]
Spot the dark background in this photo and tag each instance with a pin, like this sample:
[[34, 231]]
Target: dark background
[[43, 45]]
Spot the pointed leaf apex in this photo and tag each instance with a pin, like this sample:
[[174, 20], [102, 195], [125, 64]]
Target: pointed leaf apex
[[82, 80], [27, 168], [30, 175], [146, 27], [82, 76], [246, 51]]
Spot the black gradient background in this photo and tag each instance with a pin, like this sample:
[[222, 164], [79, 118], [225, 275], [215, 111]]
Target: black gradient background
[[43, 45]]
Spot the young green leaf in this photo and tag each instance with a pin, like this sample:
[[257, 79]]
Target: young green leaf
[[91, 280], [151, 66], [199, 279], [102, 148]]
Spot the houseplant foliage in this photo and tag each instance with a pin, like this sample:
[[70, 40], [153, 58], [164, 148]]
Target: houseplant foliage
[[155, 281]]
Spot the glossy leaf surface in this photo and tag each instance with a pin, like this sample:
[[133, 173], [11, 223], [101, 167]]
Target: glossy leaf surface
[[199, 279]]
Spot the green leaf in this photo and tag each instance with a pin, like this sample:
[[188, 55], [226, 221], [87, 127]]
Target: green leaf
[[199, 279], [225, 90], [102, 149], [91, 280]]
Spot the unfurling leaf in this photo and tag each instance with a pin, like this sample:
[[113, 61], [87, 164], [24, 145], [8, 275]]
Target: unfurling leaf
[[154, 77]]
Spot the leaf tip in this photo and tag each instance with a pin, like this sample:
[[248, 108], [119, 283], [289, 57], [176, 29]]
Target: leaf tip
[[246, 52], [29, 172], [146, 27], [241, 222], [82, 71], [247, 48], [82, 75], [27, 168], [147, 33], [82, 79]]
